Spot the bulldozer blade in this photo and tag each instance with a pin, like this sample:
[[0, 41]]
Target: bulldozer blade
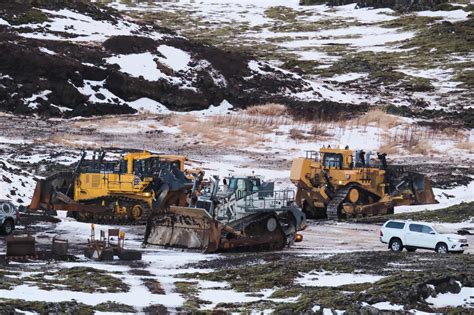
[[194, 228], [423, 190], [45, 194], [181, 227]]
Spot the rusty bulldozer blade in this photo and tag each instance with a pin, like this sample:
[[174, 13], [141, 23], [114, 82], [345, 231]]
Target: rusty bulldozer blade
[[423, 190], [182, 227], [20, 247], [195, 229]]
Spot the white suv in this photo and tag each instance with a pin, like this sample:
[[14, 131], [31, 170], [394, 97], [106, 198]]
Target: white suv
[[412, 235]]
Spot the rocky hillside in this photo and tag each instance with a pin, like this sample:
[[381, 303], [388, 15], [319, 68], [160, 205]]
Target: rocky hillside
[[412, 57], [78, 59]]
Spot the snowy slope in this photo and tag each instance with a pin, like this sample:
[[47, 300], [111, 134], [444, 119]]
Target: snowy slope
[[105, 63], [321, 40]]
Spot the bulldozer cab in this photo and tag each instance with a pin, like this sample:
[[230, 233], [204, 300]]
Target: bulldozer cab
[[148, 163], [152, 166], [336, 158], [244, 186]]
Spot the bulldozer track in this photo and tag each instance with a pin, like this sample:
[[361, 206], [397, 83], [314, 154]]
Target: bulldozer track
[[333, 205], [270, 246], [110, 217]]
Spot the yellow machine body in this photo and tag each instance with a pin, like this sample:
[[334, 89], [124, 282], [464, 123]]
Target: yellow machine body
[[123, 191], [331, 183], [121, 182]]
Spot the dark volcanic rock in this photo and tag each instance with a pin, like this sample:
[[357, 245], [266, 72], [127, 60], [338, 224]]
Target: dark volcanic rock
[[326, 110], [130, 44], [55, 77]]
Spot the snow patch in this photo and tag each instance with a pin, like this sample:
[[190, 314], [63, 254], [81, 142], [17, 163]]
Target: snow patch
[[452, 16], [387, 306], [3, 22], [31, 101], [349, 77], [47, 51], [175, 58], [78, 27], [138, 65], [223, 108], [147, 105], [325, 279], [463, 298]]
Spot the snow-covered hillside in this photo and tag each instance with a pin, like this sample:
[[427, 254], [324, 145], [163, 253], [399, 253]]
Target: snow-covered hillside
[[82, 60], [419, 62]]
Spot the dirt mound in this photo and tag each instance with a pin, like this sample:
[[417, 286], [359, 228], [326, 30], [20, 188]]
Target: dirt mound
[[130, 44], [49, 81], [326, 110]]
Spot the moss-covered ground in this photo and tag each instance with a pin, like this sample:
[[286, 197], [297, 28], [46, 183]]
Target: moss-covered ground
[[189, 290], [457, 213], [406, 281], [12, 306], [81, 279]]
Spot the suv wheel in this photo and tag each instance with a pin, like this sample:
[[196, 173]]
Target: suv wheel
[[441, 248], [396, 245], [7, 227]]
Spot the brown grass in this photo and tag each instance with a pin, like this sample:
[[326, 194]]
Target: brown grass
[[379, 118], [413, 139], [267, 110], [466, 146], [389, 148], [234, 130], [262, 123], [320, 130], [72, 141], [297, 134]]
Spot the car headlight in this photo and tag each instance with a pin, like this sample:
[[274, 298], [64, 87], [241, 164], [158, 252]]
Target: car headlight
[[453, 240]]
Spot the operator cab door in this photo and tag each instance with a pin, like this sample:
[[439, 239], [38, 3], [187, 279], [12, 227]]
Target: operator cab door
[[240, 188]]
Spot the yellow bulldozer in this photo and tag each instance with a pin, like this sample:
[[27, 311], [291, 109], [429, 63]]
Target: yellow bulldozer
[[122, 191], [337, 183]]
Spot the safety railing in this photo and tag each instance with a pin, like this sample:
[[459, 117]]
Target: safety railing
[[274, 200]]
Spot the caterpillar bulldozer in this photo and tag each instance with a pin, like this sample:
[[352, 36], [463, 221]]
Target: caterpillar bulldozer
[[122, 191], [157, 190], [337, 183], [243, 214]]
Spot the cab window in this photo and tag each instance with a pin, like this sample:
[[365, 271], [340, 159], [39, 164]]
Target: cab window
[[426, 229], [395, 225], [138, 167], [238, 185], [416, 228], [333, 160], [254, 185]]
